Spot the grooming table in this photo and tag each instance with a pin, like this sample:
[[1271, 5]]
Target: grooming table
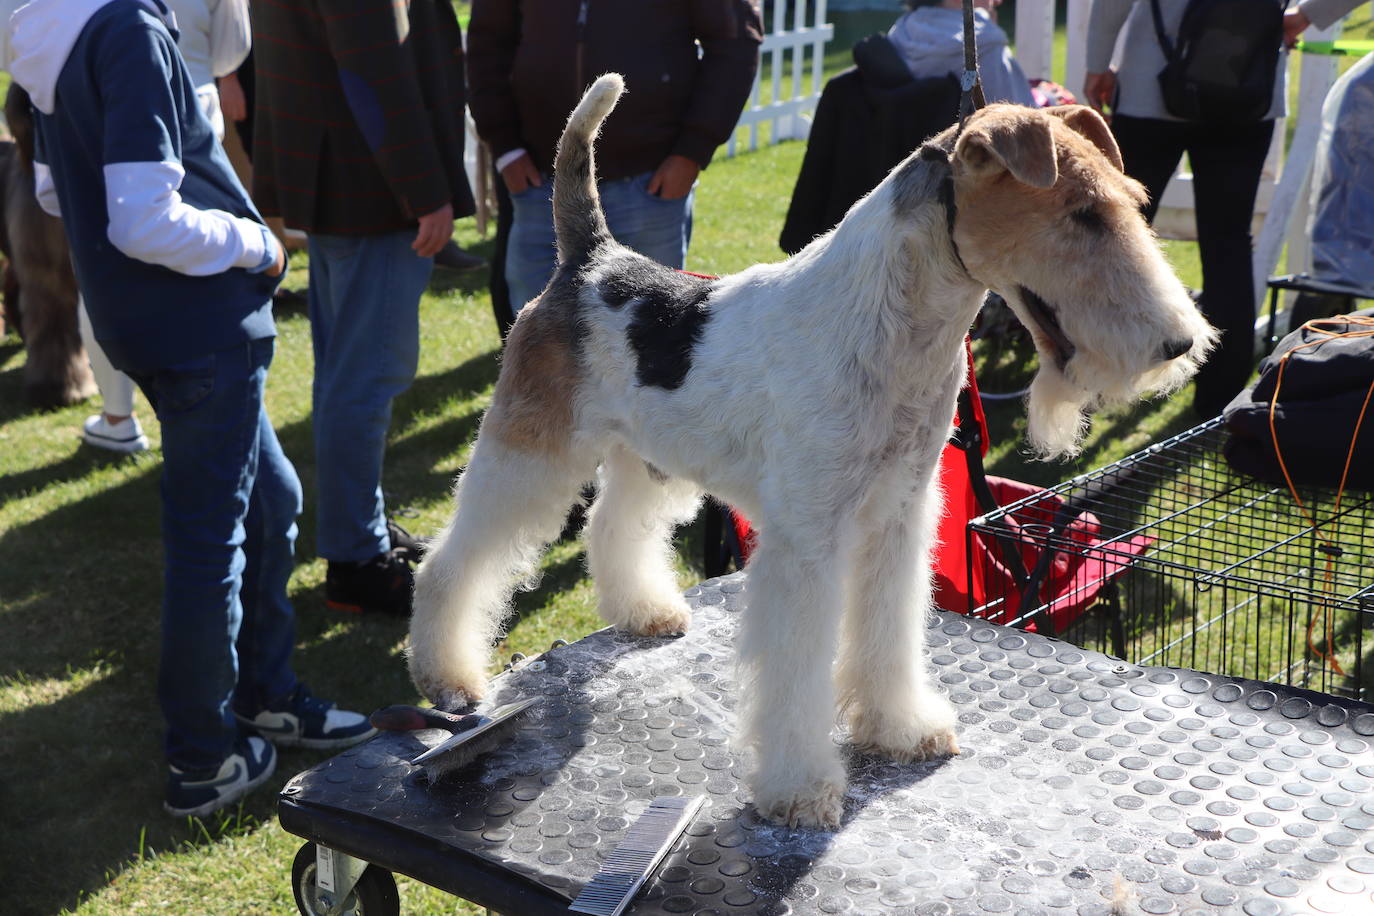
[[1081, 779]]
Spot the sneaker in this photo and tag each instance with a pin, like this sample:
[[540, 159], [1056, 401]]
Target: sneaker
[[455, 258], [411, 548], [198, 792], [125, 437], [301, 719], [382, 585]]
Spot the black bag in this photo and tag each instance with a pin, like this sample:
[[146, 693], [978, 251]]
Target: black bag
[[1317, 411], [1223, 66]]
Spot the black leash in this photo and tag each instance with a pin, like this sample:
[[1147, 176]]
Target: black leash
[[970, 83]]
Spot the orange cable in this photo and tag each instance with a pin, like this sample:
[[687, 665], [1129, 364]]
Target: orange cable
[[1328, 655]]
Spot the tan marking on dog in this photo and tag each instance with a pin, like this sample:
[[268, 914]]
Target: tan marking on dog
[[1007, 211], [531, 409]]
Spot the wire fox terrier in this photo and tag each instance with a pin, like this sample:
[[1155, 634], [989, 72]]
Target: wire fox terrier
[[815, 395]]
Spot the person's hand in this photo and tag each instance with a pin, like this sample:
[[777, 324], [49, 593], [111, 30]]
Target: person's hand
[[279, 263], [232, 103], [1295, 22], [435, 230], [521, 175], [1098, 89], [673, 178]]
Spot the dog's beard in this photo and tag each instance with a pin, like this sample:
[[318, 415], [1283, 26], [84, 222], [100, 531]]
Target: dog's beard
[[1060, 401], [1056, 413]]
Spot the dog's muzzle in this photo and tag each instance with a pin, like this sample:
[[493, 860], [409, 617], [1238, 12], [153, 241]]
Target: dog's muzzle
[[1048, 323]]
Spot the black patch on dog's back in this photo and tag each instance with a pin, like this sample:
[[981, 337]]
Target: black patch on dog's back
[[670, 313]]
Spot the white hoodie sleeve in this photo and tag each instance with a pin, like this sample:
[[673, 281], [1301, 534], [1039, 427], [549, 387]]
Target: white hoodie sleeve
[[147, 218], [150, 222]]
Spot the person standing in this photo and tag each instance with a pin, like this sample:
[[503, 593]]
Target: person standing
[[178, 270], [1226, 161], [213, 38], [529, 62], [358, 141]]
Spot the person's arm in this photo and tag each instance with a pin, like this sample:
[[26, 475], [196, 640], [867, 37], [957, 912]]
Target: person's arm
[[730, 32], [148, 219], [493, 33], [378, 73], [1104, 24], [1321, 13], [231, 36], [233, 104]]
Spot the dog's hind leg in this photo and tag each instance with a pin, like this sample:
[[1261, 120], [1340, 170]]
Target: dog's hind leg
[[510, 503], [787, 646], [628, 548], [891, 707]]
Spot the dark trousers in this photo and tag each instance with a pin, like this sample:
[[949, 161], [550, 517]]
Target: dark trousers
[[1226, 161]]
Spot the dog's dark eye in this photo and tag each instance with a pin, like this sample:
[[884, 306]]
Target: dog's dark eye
[[1089, 218]]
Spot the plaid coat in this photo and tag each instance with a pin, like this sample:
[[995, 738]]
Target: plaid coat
[[358, 120]]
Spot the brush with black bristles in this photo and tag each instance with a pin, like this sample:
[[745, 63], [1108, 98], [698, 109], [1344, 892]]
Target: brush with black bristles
[[472, 735]]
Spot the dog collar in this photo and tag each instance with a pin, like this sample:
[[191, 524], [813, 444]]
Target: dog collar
[[929, 153]]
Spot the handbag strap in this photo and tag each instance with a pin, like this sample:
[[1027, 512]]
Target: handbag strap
[[1169, 51]]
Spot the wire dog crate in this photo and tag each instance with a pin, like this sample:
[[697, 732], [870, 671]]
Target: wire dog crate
[[1169, 557]]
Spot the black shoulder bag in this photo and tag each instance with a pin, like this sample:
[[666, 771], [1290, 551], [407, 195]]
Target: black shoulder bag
[[1223, 66]]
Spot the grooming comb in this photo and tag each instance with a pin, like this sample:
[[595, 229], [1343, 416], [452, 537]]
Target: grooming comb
[[636, 856]]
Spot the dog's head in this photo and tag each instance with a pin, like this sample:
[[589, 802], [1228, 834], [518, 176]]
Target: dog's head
[[1047, 218]]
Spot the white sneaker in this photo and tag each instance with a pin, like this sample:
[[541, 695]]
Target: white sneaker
[[126, 436]]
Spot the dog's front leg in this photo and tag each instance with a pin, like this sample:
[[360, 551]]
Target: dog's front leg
[[891, 706], [787, 647]]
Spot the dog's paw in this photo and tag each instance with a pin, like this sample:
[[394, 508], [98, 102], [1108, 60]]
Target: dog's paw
[[819, 805], [923, 733], [450, 697], [666, 618]]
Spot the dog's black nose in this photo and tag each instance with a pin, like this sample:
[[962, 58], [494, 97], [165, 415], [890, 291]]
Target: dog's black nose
[[1175, 348]]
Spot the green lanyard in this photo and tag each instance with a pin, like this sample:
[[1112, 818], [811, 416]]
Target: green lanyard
[[1353, 47]]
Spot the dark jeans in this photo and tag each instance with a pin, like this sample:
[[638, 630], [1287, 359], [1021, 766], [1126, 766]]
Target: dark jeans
[[230, 499], [1226, 162], [365, 325]]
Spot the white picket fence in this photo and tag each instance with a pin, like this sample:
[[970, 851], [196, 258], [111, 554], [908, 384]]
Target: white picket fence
[[791, 98]]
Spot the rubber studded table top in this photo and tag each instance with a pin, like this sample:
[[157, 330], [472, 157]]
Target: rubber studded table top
[[1082, 781]]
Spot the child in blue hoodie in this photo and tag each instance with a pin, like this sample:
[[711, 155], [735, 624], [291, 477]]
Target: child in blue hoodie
[[178, 271]]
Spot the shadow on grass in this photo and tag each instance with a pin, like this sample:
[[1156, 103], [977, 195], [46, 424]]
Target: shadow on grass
[[82, 755], [75, 466], [14, 403]]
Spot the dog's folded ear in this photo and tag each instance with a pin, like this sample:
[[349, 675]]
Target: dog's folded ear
[[1090, 124], [1005, 137]]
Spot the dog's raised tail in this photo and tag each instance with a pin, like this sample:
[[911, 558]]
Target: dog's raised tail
[[579, 222]]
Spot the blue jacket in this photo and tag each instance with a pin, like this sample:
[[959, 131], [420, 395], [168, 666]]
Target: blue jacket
[[168, 248]]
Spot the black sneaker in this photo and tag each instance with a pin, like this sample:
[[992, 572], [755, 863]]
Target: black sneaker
[[411, 548], [300, 719], [196, 793], [381, 585]]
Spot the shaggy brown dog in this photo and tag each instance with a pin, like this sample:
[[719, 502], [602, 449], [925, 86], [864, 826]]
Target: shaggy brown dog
[[39, 287]]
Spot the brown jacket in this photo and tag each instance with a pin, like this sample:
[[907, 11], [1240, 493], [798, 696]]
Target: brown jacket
[[530, 60], [359, 113]]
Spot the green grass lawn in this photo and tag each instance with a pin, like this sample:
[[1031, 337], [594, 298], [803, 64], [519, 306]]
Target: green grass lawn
[[80, 734]]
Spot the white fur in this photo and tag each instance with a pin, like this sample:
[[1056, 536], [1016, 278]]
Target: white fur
[[818, 400]]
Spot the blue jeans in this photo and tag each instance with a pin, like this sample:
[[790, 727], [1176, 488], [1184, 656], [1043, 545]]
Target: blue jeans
[[230, 499], [656, 228], [365, 325]]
